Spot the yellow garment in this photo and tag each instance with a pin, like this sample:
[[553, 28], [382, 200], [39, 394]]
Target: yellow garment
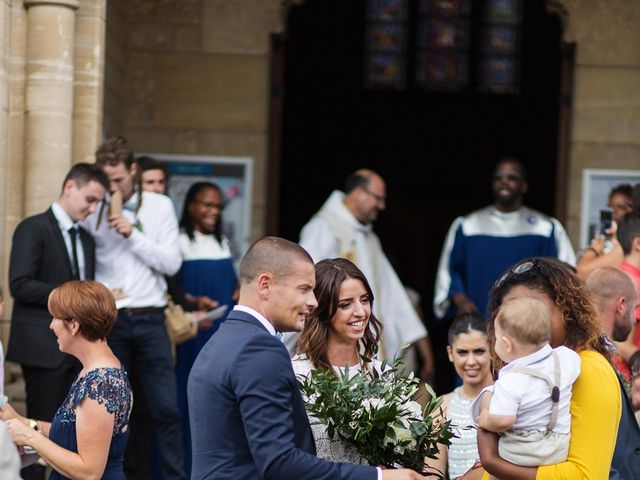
[[596, 407]]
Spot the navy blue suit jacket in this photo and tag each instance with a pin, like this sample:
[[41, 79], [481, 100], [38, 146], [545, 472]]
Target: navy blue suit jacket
[[626, 457], [247, 416]]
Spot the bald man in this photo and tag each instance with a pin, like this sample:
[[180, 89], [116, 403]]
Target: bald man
[[248, 419], [616, 298], [343, 227]]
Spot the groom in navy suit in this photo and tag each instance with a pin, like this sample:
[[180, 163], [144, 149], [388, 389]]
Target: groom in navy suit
[[248, 419]]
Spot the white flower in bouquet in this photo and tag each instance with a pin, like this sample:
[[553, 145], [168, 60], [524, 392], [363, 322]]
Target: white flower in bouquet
[[371, 403], [415, 409], [401, 437]]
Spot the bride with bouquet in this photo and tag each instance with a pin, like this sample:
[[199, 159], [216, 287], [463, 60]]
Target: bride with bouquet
[[360, 410]]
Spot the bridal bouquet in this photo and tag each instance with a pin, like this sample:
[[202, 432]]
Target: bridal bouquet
[[374, 411]]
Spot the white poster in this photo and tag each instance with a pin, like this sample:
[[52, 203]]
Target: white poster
[[596, 185], [234, 176]]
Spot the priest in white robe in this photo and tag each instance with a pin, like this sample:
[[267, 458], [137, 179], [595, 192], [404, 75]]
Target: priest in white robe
[[343, 228]]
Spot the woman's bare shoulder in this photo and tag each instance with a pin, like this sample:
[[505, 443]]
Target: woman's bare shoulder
[[446, 400]]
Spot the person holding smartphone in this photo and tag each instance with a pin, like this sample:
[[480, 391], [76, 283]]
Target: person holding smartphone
[[604, 249]]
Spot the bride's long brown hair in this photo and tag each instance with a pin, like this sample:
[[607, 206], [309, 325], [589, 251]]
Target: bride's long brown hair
[[330, 274]]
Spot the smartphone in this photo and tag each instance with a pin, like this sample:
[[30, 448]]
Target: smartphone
[[606, 217], [213, 314]]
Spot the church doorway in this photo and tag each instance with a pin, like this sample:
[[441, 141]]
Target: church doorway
[[434, 146]]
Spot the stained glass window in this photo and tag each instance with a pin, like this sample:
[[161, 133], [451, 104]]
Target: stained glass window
[[386, 44], [442, 71], [456, 45], [499, 53], [503, 11], [446, 7], [387, 10], [442, 44]]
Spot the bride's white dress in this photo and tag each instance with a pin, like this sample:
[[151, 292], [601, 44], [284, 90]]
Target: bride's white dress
[[326, 447]]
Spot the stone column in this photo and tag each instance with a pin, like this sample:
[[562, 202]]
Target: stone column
[[89, 79], [5, 35], [14, 48], [49, 99]]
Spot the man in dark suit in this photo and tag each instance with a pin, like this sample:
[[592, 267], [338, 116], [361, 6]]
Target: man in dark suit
[[617, 299], [247, 416], [49, 249]]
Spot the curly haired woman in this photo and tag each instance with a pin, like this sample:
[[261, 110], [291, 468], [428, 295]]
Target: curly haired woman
[[596, 401]]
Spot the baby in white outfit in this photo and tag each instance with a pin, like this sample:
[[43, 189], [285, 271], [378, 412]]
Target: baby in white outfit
[[530, 402]]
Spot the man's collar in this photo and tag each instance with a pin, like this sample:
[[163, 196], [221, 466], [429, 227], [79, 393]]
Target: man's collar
[[335, 204], [507, 214], [258, 316], [63, 218], [133, 203]]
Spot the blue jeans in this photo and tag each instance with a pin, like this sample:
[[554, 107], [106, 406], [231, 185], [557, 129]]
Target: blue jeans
[[141, 341]]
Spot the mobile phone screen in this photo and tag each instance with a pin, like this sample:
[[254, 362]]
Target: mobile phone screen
[[606, 217]]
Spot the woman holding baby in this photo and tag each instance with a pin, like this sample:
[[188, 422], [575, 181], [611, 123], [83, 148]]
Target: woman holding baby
[[595, 401]]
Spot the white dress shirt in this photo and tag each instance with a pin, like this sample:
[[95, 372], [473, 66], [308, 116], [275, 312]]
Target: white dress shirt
[[138, 264], [65, 223]]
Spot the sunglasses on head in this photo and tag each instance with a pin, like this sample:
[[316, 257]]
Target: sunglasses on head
[[518, 269]]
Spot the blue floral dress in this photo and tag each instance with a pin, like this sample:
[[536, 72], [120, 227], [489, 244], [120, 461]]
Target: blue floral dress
[[109, 387]]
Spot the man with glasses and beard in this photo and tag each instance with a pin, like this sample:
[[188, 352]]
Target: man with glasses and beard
[[481, 245]]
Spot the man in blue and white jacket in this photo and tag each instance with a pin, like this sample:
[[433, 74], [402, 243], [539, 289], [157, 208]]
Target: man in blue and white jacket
[[481, 245]]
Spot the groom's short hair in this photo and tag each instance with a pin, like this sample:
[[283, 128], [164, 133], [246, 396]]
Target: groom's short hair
[[271, 254]]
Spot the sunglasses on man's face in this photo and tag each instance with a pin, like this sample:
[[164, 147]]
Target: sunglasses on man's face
[[512, 177]]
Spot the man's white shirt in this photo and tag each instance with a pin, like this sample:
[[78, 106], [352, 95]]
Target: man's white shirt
[[65, 223], [138, 264]]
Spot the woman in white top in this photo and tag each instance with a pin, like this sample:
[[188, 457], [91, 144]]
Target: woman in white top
[[468, 350], [341, 331], [207, 271]]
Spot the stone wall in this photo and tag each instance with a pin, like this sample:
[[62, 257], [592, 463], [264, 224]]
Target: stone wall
[[606, 112], [88, 84], [197, 76], [5, 59], [115, 67]]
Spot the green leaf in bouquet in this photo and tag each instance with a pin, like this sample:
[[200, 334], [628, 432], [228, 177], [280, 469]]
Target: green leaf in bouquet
[[418, 429]]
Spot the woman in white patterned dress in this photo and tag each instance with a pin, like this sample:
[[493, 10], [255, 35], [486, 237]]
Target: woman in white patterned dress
[[341, 331], [468, 350]]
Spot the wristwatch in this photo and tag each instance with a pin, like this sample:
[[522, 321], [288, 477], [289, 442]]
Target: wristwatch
[[34, 425]]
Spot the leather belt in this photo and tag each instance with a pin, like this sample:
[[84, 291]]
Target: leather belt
[[140, 311]]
